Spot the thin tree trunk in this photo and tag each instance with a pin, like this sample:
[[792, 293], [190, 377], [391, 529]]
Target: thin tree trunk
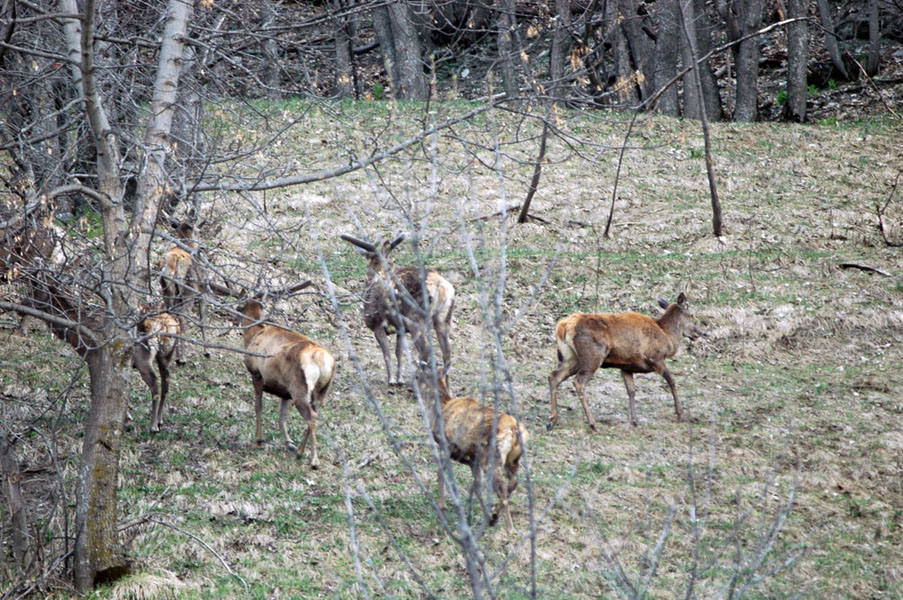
[[639, 46], [709, 165], [626, 83], [153, 186], [271, 76], [16, 511], [874, 58], [797, 62], [666, 53], [827, 23], [537, 171]]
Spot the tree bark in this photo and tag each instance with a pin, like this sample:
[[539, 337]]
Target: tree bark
[[667, 44], [506, 24], [560, 47], [749, 14], [874, 58], [154, 186], [711, 94], [827, 23], [639, 46], [692, 92], [271, 76], [626, 83], [412, 84], [344, 67], [382, 25], [797, 62]]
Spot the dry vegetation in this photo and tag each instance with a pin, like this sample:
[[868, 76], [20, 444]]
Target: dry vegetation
[[795, 393]]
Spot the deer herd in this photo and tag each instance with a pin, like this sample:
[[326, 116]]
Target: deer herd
[[404, 301]]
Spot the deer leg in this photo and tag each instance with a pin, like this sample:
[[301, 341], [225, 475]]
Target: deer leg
[[441, 489], [310, 416], [580, 385], [202, 315], [164, 383], [258, 405], [399, 355], [442, 331], [670, 379], [477, 488], [383, 340], [631, 394], [557, 376], [502, 491], [283, 426], [147, 374]]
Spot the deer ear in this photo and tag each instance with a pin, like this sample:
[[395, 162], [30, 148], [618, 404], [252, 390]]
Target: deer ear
[[682, 298], [663, 303]]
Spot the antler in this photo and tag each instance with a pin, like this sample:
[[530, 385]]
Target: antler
[[398, 239], [284, 291], [359, 243]]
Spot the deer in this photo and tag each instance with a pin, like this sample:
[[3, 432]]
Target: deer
[[473, 432], [181, 278], [156, 343], [631, 342], [290, 366], [393, 301]]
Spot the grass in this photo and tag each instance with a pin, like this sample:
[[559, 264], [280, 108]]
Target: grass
[[797, 380]]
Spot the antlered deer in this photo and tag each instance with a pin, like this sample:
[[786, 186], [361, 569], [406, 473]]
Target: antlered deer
[[631, 342], [156, 344], [469, 431], [292, 367], [181, 279], [388, 305]]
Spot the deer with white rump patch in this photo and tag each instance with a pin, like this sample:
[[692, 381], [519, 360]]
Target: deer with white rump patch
[[474, 432], [288, 365], [631, 342], [393, 298]]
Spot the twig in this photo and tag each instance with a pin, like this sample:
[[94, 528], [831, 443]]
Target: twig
[[205, 545], [498, 213], [881, 210], [849, 265]]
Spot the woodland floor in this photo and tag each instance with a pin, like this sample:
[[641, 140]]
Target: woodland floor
[[794, 395]]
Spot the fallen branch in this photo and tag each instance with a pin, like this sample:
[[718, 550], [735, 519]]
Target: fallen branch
[[848, 265], [205, 545]]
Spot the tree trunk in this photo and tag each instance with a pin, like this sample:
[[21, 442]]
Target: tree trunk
[[560, 47], [344, 67], [874, 59], [711, 94], [626, 83], [692, 92], [638, 45], [16, 513], [153, 186], [666, 53], [797, 62], [412, 84], [382, 25], [271, 77], [506, 25], [750, 16], [827, 23], [98, 554]]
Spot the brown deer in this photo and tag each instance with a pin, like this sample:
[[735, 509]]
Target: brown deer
[[156, 343], [469, 431], [394, 299], [629, 341], [182, 278], [288, 365]]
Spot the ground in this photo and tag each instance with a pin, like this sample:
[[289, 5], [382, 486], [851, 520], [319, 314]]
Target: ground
[[794, 440]]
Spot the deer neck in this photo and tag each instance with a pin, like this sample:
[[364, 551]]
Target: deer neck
[[670, 323]]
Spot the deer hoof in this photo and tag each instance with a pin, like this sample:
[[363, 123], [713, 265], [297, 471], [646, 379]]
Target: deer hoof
[[207, 354], [259, 442], [291, 447], [551, 424], [593, 427]]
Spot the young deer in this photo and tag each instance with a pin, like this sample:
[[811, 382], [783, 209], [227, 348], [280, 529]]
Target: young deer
[[181, 279], [469, 432], [628, 341], [386, 305], [293, 367], [156, 344]]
